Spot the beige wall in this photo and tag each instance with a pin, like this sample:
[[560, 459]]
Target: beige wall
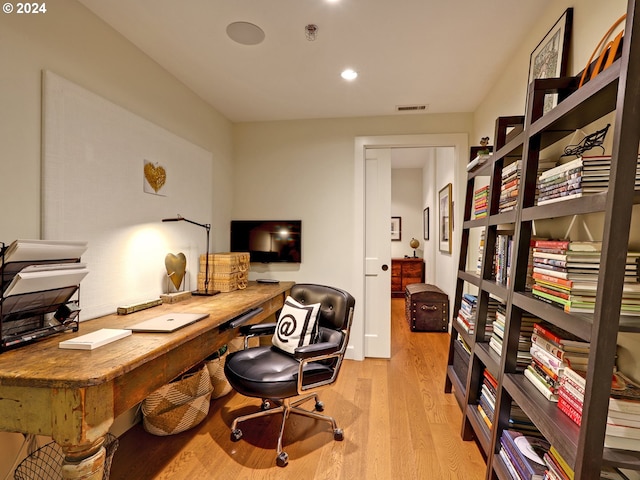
[[71, 41], [591, 19]]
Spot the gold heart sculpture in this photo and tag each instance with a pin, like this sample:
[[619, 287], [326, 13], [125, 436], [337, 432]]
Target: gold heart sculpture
[[156, 176], [176, 267]]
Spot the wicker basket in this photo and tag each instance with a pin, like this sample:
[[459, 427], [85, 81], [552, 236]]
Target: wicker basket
[[215, 366], [179, 405], [46, 462]]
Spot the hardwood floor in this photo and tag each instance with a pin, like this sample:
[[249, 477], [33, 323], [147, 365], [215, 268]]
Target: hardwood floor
[[397, 421]]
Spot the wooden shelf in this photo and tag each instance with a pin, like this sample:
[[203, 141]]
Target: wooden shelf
[[610, 91]]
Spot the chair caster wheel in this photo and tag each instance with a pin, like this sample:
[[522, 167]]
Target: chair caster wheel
[[319, 406], [266, 405], [282, 459], [338, 434], [236, 435]]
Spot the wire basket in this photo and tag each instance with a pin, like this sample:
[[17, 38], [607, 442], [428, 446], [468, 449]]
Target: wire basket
[[46, 462]]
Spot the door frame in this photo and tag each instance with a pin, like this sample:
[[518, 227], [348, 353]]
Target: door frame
[[460, 143]]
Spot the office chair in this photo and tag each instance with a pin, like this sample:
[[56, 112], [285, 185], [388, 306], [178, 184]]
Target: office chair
[[282, 374]]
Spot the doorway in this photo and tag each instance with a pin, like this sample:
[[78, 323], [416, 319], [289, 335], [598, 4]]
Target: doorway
[[371, 321]]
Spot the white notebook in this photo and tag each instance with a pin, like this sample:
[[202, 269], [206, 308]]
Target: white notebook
[[95, 339]]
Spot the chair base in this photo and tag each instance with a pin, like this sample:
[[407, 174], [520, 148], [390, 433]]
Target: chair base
[[287, 407]]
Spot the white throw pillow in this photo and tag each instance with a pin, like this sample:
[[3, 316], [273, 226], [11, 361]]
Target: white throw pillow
[[297, 325]]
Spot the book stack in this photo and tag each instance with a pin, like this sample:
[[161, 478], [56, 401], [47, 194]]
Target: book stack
[[581, 176], [497, 315], [565, 274], [487, 400], [519, 421], [502, 258], [509, 186], [571, 394], [523, 455], [481, 202], [552, 350], [560, 183], [468, 311], [623, 417], [595, 174]]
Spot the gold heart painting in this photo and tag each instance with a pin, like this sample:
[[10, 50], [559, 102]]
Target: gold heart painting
[[155, 175], [176, 267]]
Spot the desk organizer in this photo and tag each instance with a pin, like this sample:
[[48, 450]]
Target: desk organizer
[[26, 317]]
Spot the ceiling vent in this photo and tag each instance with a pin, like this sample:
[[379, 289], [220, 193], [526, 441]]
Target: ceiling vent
[[412, 108]]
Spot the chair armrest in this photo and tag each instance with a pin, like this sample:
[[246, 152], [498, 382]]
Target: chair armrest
[[258, 329], [316, 349]]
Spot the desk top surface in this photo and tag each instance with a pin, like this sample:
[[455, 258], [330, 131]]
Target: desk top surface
[[44, 364]]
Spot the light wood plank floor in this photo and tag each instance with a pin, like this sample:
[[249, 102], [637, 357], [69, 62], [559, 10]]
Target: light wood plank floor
[[398, 423]]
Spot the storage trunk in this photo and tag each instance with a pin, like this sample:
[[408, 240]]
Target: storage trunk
[[427, 308]]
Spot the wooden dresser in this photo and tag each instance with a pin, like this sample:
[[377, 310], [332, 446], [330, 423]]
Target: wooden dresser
[[405, 271]]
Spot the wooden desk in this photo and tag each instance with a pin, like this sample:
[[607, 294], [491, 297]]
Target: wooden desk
[[75, 395]]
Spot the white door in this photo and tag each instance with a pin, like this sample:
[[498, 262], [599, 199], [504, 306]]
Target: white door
[[377, 250]]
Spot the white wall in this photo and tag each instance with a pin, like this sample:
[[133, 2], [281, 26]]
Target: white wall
[[72, 42], [406, 203]]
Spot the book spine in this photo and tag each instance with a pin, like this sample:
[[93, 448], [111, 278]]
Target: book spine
[[514, 456], [559, 244], [575, 379], [569, 411], [548, 334], [539, 385]]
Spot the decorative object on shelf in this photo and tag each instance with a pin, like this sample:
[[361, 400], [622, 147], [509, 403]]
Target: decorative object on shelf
[[596, 139], [207, 226], [608, 52], [396, 229], [176, 266], [425, 223], [445, 227], [155, 177], [550, 57], [480, 154], [414, 243]]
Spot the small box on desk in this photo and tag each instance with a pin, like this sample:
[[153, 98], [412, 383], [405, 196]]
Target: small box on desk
[[426, 308]]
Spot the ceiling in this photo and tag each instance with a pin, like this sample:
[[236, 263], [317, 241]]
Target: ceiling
[[443, 54]]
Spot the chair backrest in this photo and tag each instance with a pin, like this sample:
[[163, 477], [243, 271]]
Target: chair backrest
[[335, 305], [335, 319]]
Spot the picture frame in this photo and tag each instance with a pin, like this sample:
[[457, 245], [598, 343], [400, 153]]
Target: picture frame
[[550, 58], [425, 223], [445, 219], [396, 229]]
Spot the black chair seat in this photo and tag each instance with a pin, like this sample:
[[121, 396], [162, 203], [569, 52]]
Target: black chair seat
[[265, 372]]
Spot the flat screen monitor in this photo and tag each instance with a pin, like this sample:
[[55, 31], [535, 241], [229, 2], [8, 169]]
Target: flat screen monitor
[[268, 241]]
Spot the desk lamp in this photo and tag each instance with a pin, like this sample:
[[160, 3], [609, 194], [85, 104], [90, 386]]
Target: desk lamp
[[207, 227]]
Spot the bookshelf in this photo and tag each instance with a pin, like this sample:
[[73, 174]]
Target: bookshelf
[[612, 92]]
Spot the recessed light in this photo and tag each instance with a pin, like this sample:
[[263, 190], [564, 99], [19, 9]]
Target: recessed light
[[349, 74], [245, 33]]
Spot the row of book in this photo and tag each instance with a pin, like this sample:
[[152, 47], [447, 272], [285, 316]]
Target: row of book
[[530, 457], [575, 178], [468, 314], [481, 202], [623, 416], [565, 274], [503, 258], [553, 350], [523, 358]]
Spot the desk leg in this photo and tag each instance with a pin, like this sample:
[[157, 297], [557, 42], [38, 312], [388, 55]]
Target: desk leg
[[84, 462]]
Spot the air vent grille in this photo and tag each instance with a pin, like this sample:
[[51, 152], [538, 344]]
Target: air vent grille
[[411, 108]]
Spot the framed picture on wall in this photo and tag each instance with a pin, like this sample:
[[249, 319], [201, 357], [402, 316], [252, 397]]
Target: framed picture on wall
[[396, 229], [425, 223], [445, 219], [551, 56]]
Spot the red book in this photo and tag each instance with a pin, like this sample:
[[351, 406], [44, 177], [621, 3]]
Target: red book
[[560, 244], [569, 411], [550, 291], [490, 378], [551, 279]]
